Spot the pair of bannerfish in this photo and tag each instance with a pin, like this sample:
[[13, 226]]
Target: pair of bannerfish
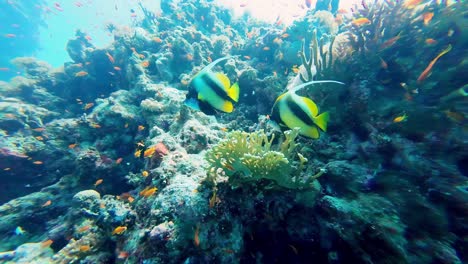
[[211, 91]]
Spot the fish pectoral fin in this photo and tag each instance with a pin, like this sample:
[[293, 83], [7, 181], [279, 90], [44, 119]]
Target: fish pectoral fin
[[224, 80], [322, 120], [200, 97], [233, 92]]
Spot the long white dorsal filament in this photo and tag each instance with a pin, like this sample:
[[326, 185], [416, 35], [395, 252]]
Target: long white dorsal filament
[[297, 88]]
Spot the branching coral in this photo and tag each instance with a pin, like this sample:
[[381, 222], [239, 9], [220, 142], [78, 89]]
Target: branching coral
[[250, 157], [320, 59], [388, 22]]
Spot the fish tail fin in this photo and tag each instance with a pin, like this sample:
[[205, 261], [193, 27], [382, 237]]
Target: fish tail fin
[[322, 120], [233, 92], [297, 88]]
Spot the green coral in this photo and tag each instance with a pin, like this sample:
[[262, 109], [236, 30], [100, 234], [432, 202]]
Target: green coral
[[250, 157]]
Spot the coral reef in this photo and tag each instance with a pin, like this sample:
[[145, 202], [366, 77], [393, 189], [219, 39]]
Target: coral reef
[[101, 161]]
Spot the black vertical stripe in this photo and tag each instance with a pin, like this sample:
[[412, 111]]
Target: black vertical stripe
[[299, 112], [207, 79]]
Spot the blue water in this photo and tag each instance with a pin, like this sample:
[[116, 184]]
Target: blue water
[[41, 29]]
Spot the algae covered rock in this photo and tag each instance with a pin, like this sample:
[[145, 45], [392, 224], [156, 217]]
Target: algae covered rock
[[34, 253], [87, 202]]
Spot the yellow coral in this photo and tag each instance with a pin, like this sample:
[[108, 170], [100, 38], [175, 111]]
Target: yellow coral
[[249, 157]]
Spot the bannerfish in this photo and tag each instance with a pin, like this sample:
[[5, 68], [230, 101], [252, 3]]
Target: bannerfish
[[291, 110], [210, 91]]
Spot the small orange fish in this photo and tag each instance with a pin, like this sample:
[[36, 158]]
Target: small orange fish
[[342, 11], [81, 74], [98, 182], [285, 35], [145, 64], [83, 229], [410, 4], [189, 57], [117, 68], [390, 42], [85, 248], [141, 128], [361, 21], [266, 48], [47, 243], [119, 230], [228, 251], [49, 202], [123, 255], [118, 161], [130, 199], [213, 199], [157, 40], [38, 162], [148, 191], [111, 59], [383, 64], [247, 57], [278, 41], [196, 236], [149, 152], [72, 146], [39, 138], [457, 117], [428, 69], [145, 173], [10, 35], [295, 69], [94, 125], [88, 106], [427, 17], [88, 38], [400, 119], [430, 41]]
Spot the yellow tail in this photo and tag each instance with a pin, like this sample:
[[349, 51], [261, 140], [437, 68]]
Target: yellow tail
[[322, 120]]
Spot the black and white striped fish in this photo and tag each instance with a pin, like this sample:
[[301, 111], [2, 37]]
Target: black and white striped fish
[[291, 110], [212, 91]]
